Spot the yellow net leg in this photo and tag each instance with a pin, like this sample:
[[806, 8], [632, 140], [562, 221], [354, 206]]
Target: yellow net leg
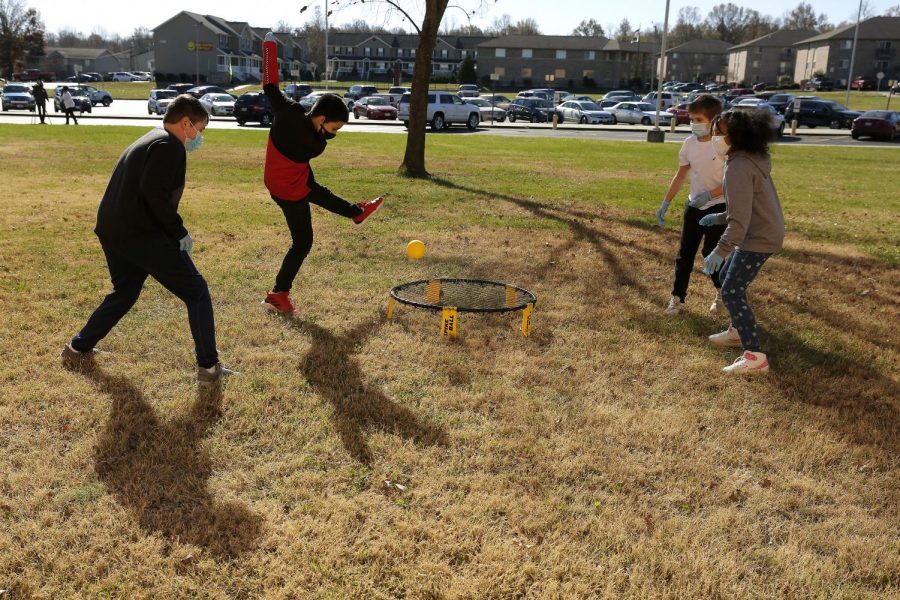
[[390, 309], [526, 319], [449, 322]]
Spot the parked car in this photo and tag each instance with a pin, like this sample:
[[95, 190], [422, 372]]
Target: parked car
[[79, 78], [863, 82], [820, 84], [124, 76], [218, 105], [79, 95], [761, 86], [253, 106], [95, 76], [884, 124], [668, 99], [468, 90], [374, 107], [780, 102], [159, 101], [142, 75], [498, 100], [297, 91], [395, 93], [355, 92], [534, 109], [680, 111], [686, 88], [201, 90], [307, 101], [624, 95], [583, 111], [777, 119], [642, 113], [821, 112], [180, 88], [488, 111], [97, 96], [16, 95], [444, 109], [577, 98]]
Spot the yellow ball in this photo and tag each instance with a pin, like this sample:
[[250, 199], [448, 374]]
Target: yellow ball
[[415, 249]]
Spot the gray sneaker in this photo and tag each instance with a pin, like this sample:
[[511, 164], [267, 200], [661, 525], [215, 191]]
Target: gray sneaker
[[214, 374], [74, 360]]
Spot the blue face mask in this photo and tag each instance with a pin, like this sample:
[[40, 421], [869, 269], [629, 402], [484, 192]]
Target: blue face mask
[[191, 145], [700, 129]]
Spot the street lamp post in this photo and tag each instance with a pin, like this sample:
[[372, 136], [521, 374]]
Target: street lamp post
[[197, 53], [326, 44], [853, 54], [656, 134]]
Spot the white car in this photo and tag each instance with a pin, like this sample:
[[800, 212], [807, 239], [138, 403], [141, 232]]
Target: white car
[[777, 117], [142, 75], [444, 109], [124, 76], [583, 111], [488, 111], [638, 112], [159, 101], [218, 104], [668, 99]]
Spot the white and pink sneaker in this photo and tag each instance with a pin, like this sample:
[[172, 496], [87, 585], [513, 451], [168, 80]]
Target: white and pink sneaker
[[749, 362], [728, 338]]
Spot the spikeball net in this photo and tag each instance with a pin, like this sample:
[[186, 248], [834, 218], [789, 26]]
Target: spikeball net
[[453, 296]]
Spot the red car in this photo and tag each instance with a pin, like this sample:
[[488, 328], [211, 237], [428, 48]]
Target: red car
[[864, 83], [374, 107], [681, 114], [883, 124]]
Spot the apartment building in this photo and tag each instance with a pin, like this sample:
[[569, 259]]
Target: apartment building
[[766, 58], [701, 61]]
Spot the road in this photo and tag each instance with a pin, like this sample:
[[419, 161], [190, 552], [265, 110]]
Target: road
[[134, 113]]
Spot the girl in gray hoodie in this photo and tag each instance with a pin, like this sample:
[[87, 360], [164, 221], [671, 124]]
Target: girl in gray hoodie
[[754, 227]]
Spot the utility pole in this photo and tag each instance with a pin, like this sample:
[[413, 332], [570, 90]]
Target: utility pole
[[326, 45], [853, 55], [197, 53], [656, 134]]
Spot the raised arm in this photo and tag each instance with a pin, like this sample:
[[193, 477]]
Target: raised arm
[[270, 73]]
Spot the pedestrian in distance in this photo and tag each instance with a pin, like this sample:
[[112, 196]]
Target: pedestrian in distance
[[68, 104], [40, 99], [754, 228], [296, 138], [142, 235], [697, 157]]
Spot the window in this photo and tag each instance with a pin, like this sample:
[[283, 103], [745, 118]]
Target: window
[[590, 55], [881, 65], [412, 52], [674, 56], [222, 41], [559, 74], [444, 53], [380, 51], [588, 73], [367, 51], [884, 45], [463, 53], [843, 64], [560, 54], [846, 44], [755, 64], [526, 53], [400, 52], [759, 49], [787, 51], [500, 52], [526, 72]]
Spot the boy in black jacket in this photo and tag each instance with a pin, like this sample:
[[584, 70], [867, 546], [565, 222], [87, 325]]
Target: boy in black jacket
[[294, 140], [142, 235]]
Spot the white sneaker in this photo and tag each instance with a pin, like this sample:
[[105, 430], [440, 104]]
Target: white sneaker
[[718, 307], [675, 307], [728, 338], [749, 362]]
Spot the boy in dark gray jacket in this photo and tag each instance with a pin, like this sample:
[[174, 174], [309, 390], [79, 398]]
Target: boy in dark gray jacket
[[755, 228]]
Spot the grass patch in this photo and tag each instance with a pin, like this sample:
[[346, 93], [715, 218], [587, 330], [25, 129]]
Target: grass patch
[[604, 456]]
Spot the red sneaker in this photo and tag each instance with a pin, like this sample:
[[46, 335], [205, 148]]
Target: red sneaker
[[279, 301], [368, 208]]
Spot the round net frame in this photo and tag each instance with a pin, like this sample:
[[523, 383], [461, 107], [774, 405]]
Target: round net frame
[[464, 295]]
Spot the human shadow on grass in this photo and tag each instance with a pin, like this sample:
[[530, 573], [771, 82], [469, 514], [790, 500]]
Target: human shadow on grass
[[334, 372], [159, 471]]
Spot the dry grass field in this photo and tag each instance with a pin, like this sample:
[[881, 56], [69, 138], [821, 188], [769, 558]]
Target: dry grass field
[[604, 456]]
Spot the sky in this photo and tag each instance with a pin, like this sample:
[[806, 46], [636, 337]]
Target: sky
[[118, 17]]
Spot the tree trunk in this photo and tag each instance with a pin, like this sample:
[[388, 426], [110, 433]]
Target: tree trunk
[[414, 160]]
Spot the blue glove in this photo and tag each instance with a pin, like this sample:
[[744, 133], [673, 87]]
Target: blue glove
[[186, 244], [712, 262], [713, 219], [661, 213], [700, 199]]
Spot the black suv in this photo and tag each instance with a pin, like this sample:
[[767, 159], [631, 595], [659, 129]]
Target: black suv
[[534, 109], [821, 112], [295, 91], [820, 84], [253, 106], [355, 92]]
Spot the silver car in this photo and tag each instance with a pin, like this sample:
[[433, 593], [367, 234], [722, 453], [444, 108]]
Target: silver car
[[582, 111], [642, 113], [159, 101], [777, 117], [488, 110], [218, 104]]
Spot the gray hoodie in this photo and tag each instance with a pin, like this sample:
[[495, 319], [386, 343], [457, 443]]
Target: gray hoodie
[[753, 210]]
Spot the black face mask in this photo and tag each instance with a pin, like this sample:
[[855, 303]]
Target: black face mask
[[325, 135]]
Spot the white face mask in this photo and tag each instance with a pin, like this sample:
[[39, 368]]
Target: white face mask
[[700, 129], [720, 145]]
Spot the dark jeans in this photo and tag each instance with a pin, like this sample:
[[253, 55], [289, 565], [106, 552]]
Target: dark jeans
[[299, 221], [159, 257], [70, 112], [41, 110], [692, 233], [737, 273]]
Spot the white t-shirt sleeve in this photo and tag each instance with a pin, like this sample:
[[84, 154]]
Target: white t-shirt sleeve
[[683, 158]]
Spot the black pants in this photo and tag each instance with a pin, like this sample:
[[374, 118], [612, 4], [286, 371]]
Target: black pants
[[299, 221], [160, 258], [70, 112], [692, 233], [41, 110]]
